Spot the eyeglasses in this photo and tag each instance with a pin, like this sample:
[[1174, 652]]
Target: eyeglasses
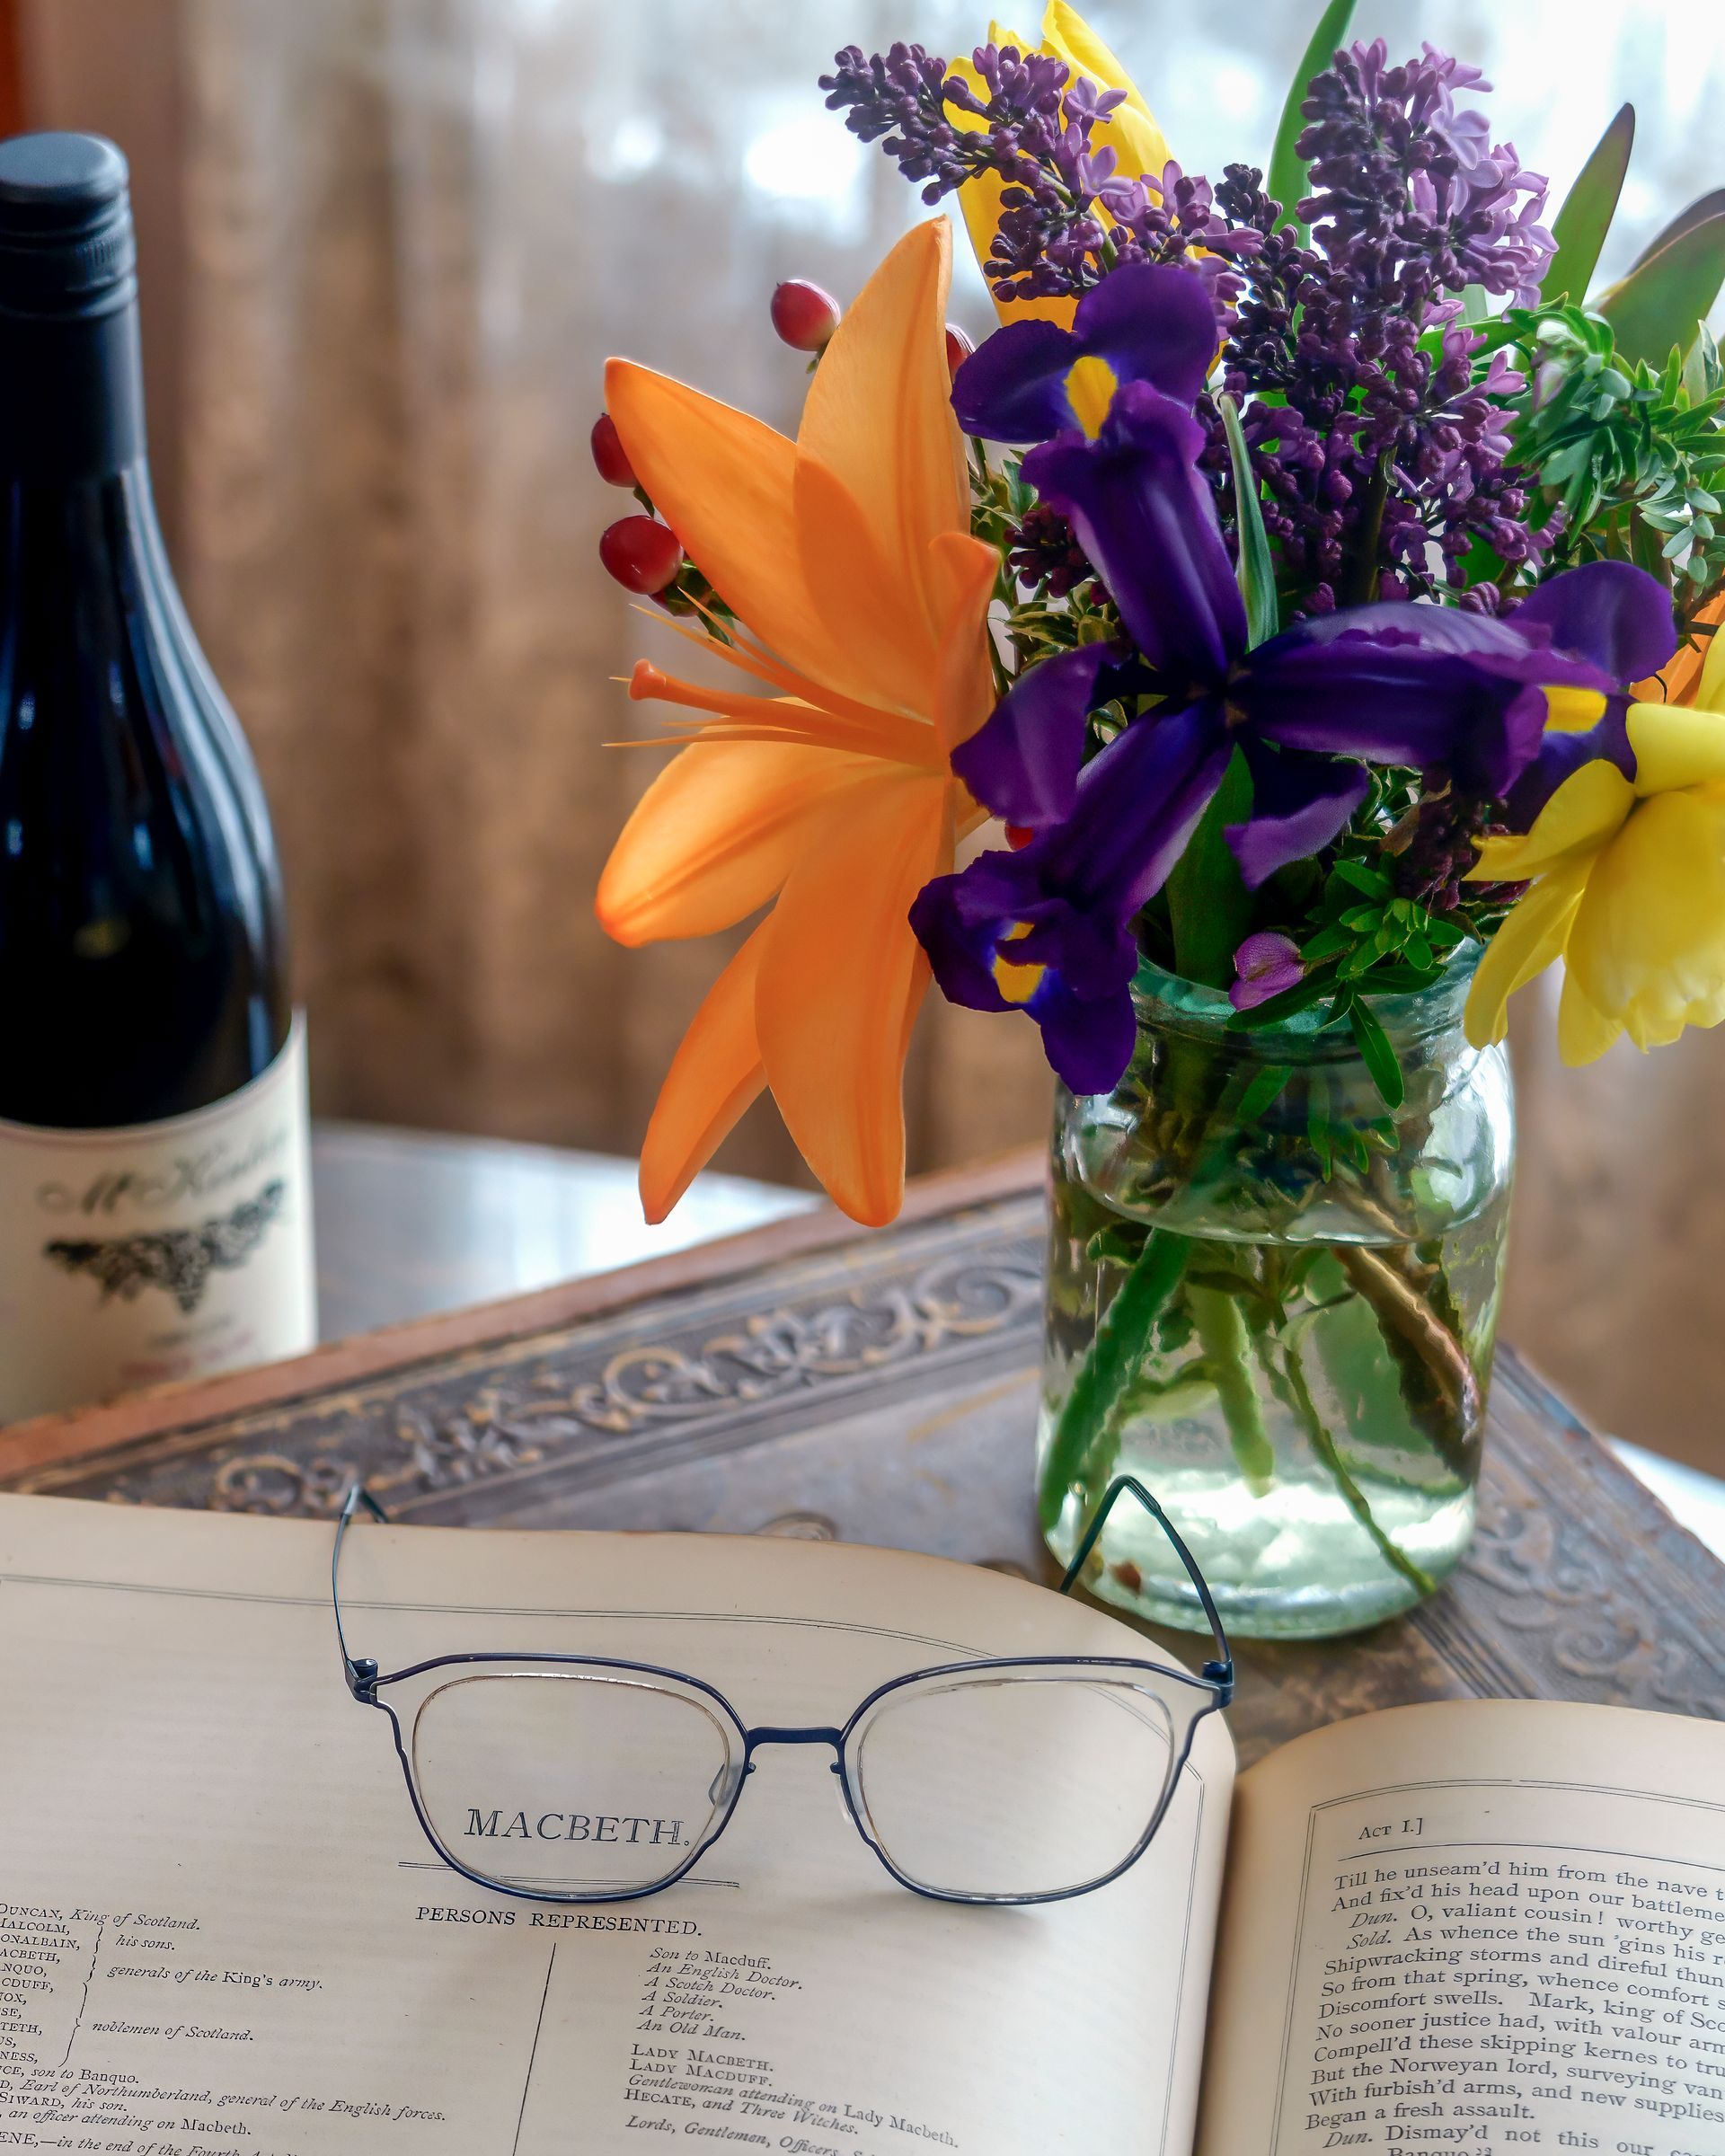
[[575, 1777]]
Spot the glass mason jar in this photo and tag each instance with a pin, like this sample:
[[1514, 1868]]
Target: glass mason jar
[[1273, 1299]]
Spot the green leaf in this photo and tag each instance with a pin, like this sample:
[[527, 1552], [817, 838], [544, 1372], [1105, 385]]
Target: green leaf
[[1374, 882], [1711, 205], [1375, 1053], [1290, 1003], [1208, 905], [1661, 305], [1571, 464], [1581, 225], [1257, 573], [1287, 180], [1266, 1088]]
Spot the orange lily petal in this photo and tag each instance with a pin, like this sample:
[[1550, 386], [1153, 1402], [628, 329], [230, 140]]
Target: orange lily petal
[[841, 979], [725, 483], [714, 1075], [879, 413], [1678, 680], [715, 835], [747, 657], [866, 602], [964, 571]]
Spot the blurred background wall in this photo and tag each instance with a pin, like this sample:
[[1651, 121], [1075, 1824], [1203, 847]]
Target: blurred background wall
[[388, 244]]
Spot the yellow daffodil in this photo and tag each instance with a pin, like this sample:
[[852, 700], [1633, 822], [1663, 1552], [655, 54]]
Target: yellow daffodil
[[1140, 149], [848, 555], [1628, 888]]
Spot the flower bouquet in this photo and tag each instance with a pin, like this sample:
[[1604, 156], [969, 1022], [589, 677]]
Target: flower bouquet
[[1308, 584]]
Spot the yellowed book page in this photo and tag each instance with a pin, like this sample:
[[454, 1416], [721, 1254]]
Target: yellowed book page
[[222, 1929], [1491, 1925]]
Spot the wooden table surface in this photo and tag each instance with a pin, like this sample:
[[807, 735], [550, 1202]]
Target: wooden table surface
[[410, 1223]]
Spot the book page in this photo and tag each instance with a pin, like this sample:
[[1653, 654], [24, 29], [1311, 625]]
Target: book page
[[221, 1927], [1489, 1925]]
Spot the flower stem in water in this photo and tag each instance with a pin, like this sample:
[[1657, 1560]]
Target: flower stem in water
[[1122, 1339]]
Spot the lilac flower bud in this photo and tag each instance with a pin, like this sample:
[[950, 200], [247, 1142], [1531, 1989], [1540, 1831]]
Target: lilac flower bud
[[1267, 964]]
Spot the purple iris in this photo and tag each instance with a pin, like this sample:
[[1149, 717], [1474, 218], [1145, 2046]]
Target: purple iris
[[1151, 322], [1048, 928]]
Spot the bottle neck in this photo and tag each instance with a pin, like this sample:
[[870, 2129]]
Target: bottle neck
[[71, 397]]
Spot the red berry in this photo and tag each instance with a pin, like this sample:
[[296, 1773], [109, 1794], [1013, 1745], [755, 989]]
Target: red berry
[[804, 316], [1019, 835], [609, 455], [641, 554], [958, 349]]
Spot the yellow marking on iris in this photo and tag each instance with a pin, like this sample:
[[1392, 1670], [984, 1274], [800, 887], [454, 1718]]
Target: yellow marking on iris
[[1090, 384], [1573, 711], [1017, 984]]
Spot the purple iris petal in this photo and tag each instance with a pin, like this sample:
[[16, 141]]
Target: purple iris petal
[[1023, 762], [1146, 518], [1559, 754], [1299, 803], [1267, 964], [1136, 805], [1084, 1009], [1066, 902], [1609, 612], [1150, 321], [1013, 388], [1088, 1044], [1412, 684]]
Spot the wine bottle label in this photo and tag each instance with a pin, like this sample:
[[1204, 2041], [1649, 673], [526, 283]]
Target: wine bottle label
[[164, 1251]]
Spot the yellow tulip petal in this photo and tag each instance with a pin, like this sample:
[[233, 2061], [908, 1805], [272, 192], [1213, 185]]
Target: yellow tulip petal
[[715, 835], [1139, 146], [1532, 935], [1068, 37], [1585, 809], [964, 571], [1647, 942], [725, 483], [1676, 745], [979, 203], [1709, 670], [841, 979], [1584, 1032], [714, 1075], [879, 414]]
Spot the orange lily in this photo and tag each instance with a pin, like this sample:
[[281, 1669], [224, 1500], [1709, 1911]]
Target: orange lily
[[848, 554], [1679, 681], [1139, 146]]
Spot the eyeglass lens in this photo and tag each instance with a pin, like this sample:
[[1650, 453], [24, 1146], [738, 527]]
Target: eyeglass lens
[[572, 1783], [1014, 1784]]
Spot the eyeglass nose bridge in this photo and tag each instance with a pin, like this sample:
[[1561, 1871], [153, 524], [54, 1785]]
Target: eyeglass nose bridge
[[753, 1739]]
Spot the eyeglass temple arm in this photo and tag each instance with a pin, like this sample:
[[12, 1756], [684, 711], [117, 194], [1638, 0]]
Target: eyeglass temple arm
[[360, 1673], [1220, 1671]]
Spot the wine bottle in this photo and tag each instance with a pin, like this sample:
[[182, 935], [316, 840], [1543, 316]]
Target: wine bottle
[[154, 1194]]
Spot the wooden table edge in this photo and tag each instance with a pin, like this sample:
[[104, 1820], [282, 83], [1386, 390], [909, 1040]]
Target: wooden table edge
[[47, 1439]]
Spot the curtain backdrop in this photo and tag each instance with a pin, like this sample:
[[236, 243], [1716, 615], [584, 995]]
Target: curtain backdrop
[[389, 244]]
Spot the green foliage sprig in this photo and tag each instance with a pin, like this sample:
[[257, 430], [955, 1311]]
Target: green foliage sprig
[[1633, 457]]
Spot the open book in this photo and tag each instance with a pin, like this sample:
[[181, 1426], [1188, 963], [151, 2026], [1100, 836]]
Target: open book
[[1479, 1926]]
